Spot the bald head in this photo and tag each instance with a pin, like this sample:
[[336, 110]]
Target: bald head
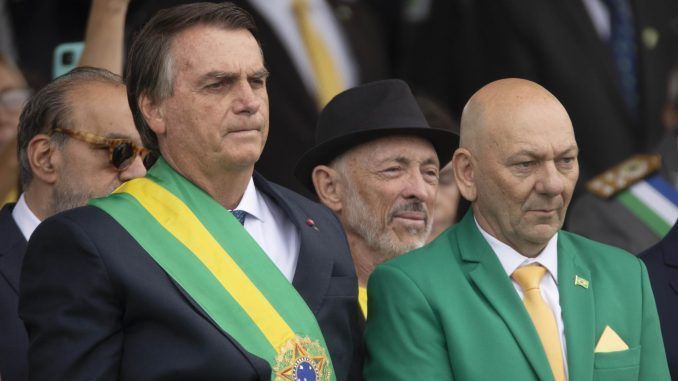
[[517, 162], [492, 109]]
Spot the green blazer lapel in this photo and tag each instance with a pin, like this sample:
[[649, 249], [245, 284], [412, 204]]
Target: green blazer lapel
[[490, 278], [577, 305]]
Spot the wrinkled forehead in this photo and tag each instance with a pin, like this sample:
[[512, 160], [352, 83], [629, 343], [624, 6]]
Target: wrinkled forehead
[[202, 47], [540, 122], [102, 108]]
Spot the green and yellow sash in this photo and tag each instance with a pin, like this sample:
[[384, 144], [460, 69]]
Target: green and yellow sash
[[204, 248]]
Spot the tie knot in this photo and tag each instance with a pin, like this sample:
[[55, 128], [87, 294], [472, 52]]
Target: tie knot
[[239, 215], [529, 277]]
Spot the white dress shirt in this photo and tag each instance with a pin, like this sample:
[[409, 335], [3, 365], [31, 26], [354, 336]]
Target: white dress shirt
[[278, 13], [24, 218], [271, 229], [511, 260]]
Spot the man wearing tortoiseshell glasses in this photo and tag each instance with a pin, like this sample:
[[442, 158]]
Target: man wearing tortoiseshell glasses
[[77, 141]]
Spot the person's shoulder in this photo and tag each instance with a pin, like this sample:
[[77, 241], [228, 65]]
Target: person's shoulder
[[81, 221], [664, 252]]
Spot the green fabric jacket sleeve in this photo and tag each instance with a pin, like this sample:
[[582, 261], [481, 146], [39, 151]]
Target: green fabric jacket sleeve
[[653, 363], [403, 336]]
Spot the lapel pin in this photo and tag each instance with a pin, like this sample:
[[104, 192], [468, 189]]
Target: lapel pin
[[311, 223], [579, 281]]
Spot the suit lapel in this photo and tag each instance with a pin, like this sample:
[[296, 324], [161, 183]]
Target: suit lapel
[[314, 271], [12, 249], [491, 279], [577, 304]]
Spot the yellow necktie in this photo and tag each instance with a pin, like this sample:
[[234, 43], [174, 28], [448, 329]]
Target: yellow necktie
[[528, 278], [362, 300], [327, 78]]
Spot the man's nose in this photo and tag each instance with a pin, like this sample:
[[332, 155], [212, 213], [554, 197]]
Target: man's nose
[[247, 101], [417, 187], [551, 180]]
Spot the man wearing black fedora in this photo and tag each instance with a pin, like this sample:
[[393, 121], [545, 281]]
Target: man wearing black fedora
[[375, 163]]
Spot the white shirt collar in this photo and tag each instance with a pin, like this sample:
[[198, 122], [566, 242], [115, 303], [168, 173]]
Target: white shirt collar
[[510, 259], [252, 202], [24, 217]]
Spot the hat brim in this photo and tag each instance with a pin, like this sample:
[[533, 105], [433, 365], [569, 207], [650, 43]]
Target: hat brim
[[444, 143]]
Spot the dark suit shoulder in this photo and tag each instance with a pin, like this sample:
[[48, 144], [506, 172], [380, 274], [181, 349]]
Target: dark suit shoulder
[[664, 251]]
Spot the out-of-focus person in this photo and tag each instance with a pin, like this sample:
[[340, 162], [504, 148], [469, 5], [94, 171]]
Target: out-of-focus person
[[105, 35], [14, 93], [634, 204], [449, 205], [375, 164], [76, 141], [662, 266]]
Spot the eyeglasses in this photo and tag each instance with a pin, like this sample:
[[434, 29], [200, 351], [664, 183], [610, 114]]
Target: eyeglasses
[[121, 152], [14, 99]]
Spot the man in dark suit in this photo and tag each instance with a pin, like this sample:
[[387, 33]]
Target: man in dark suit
[[60, 172], [203, 269], [662, 266]]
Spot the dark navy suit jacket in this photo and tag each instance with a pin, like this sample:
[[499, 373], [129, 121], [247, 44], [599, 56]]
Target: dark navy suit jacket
[[98, 307], [662, 266], [13, 339]]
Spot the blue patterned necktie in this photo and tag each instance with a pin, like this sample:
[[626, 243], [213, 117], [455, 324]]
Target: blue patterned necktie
[[624, 50], [239, 215]]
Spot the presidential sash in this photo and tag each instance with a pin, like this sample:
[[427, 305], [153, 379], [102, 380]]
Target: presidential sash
[[204, 248]]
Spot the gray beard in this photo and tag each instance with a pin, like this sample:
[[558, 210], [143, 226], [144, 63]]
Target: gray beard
[[384, 244], [65, 199]]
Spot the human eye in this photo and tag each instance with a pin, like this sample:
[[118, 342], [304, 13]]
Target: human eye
[[525, 165], [567, 162], [431, 174], [391, 171], [257, 82], [216, 85]]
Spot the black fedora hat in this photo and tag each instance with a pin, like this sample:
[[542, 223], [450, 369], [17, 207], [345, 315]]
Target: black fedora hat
[[367, 112]]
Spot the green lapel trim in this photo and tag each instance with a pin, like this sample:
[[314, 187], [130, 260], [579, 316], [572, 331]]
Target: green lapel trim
[[577, 305], [492, 281]]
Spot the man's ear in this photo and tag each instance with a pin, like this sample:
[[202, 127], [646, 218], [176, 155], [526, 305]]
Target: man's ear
[[153, 114], [43, 158], [328, 186], [464, 173]]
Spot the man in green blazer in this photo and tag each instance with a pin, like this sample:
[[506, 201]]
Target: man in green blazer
[[461, 309]]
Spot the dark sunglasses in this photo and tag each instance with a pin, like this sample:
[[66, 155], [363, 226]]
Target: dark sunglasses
[[121, 152]]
